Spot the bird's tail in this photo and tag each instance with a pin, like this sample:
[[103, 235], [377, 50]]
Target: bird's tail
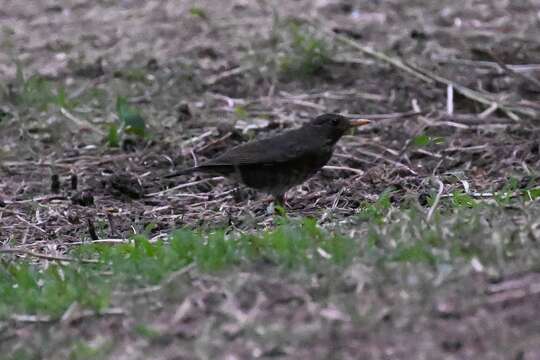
[[182, 172]]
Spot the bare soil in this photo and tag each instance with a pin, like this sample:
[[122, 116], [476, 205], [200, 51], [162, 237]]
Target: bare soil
[[193, 68]]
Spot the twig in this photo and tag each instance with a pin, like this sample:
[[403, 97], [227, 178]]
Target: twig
[[490, 110], [24, 318], [30, 224], [487, 64], [238, 70], [440, 123], [112, 226], [344, 168], [44, 198], [92, 230], [181, 186], [415, 106], [46, 257], [472, 119], [35, 163], [429, 153], [475, 95], [207, 202], [215, 142], [388, 116], [514, 73], [428, 76], [466, 148], [450, 100], [390, 161], [231, 102], [81, 123], [303, 103], [75, 312], [378, 55], [100, 241], [152, 289], [336, 199], [436, 202], [334, 95], [514, 295], [197, 138]]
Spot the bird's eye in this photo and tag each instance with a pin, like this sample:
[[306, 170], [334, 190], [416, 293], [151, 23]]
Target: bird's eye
[[335, 121]]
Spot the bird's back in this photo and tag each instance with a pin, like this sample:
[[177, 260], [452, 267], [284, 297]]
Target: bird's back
[[280, 148], [275, 164]]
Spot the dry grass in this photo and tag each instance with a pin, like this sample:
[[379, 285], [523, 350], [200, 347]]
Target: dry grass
[[424, 233]]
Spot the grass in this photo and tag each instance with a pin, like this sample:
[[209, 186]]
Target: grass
[[297, 52], [131, 122], [306, 56], [371, 281], [35, 97], [29, 289], [393, 241], [37, 92]]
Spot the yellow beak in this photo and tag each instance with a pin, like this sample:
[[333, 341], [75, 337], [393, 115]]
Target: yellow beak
[[359, 122]]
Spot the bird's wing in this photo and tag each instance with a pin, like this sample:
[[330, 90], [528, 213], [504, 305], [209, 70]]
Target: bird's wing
[[274, 150]]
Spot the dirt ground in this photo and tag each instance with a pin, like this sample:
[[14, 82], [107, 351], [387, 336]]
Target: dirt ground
[[205, 75]]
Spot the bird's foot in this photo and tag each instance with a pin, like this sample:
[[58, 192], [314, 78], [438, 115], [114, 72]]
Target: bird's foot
[[275, 209], [280, 204]]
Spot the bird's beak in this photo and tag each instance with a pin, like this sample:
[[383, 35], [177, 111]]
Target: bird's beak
[[359, 122]]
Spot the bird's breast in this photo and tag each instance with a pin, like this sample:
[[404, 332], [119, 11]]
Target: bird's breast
[[278, 177]]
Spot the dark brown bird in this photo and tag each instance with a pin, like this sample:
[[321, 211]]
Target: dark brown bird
[[276, 164]]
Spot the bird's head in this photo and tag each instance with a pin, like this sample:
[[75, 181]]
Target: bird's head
[[334, 126]]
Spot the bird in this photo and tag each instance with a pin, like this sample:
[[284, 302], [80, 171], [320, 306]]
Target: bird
[[275, 164]]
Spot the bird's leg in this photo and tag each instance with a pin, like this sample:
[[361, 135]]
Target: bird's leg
[[279, 199], [276, 207]]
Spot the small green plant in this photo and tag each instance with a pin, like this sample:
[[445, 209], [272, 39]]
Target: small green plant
[[532, 194], [505, 195], [30, 290], [462, 199], [83, 351], [130, 117], [62, 100], [415, 253], [198, 12], [21, 354], [146, 331], [241, 112], [4, 115], [426, 140], [113, 135], [377, 211], [132, 75], [303, 54], [36, 92], [27, 289], [39, 92], [131, 122]]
